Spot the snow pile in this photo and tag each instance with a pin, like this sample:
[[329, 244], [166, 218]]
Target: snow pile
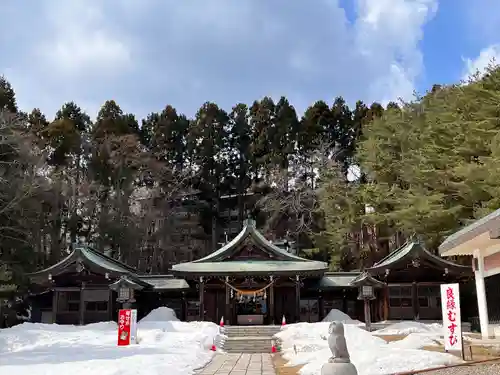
[[416, 341], [339, 316], [161, 314], [166, 347], [305, 344], [405, 328]]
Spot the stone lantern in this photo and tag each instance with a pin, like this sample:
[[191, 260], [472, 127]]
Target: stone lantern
[[366, 292], [126, 291], [366, 285]]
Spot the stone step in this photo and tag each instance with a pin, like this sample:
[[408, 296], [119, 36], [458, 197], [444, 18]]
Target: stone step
[[252, 350], [249, 344], [249, 333], [248, 349], [249, 339], [250, 330], [266, 329]]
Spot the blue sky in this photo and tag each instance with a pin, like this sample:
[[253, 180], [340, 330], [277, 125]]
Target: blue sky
[[146, 54]]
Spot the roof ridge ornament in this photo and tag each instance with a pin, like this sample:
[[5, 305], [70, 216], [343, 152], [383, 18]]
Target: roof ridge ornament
[[250, 222]]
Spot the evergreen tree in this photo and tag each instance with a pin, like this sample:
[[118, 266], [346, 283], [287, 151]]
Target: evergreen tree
[[240, 137], [165, 135], [261, 121], [207, 140], [7, 96]]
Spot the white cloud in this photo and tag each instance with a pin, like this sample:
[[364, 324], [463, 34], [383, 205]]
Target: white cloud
[[388, 33], [486, 57], [185, 52], [79, 43]]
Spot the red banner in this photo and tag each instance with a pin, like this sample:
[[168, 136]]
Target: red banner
[[124, 327]]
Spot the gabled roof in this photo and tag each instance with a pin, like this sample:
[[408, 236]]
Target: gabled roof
[[280, 261], [128, 282], [248, 231], [411, 251], [366, 279], [91, 259], [99, 262], [333, 280], [165, 282]]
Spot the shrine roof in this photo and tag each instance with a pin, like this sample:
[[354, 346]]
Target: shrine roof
[[414, 250], [337, 280], [249, 231], [365, 278], [90, 258], [102, 263], [165, 282], [126, 281], [272, 259], [254, 267]]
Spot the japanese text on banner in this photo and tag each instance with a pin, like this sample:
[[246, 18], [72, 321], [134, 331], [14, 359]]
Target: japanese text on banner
[[124, 327], [450, 301]]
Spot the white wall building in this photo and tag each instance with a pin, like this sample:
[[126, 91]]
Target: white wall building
[[480, 239]]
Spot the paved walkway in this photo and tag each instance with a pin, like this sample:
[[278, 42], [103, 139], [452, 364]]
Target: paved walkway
[[239, 364]]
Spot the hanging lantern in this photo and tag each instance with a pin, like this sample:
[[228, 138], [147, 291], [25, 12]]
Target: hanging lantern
[[254, 295], [265, 295]]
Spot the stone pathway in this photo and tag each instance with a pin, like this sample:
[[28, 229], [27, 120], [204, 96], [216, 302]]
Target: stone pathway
[[239, 364]]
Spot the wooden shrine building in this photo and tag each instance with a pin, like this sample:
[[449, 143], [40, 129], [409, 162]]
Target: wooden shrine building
[[249, 280], [85, 288], [412, 276]]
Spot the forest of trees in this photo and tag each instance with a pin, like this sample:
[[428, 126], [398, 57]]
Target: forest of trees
[[422, 168]]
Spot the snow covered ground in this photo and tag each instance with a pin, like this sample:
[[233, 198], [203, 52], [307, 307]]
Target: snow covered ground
[[417, 334], [339, 316], [305, 344], [167, 346], [405, 328]]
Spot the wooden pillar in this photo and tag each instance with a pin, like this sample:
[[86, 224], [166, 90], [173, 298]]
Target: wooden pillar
[[321, 309], [297, 299], [183, 307], [386, 302], [202, 293], [81, 309], [380, 306], [55, 305], [227, 308], [414, 301], [110, 305], [271, 303], [368, 319], [344, 301]]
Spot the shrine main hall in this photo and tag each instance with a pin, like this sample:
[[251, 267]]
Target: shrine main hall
[[248, 281]]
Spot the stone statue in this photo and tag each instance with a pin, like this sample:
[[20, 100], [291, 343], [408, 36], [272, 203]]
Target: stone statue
[[340, 362], [337, 344]]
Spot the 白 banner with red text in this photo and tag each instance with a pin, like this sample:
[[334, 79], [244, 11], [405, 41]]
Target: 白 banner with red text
[[452, 322]]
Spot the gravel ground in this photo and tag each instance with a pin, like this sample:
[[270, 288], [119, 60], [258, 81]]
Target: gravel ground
[[480, 369]]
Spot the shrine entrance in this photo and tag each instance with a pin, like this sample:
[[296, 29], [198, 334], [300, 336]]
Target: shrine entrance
[[251, 300], [251, 311]]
